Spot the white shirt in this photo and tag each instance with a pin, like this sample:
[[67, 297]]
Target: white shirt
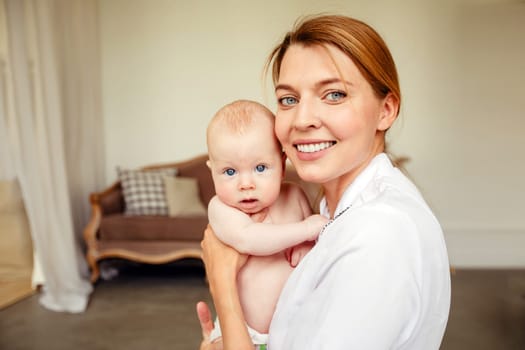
[[378, 277]]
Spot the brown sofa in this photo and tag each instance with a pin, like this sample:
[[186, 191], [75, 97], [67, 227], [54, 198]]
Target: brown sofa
[[155, 239], [146, 239]]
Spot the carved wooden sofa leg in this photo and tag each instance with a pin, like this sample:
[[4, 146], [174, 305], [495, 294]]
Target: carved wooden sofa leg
[[93, 266]]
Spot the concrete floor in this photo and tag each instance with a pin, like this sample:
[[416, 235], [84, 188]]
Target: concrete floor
[[152, 307], [487, 311]]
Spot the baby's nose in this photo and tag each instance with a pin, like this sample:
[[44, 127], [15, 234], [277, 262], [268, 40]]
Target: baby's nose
[[246, 183]]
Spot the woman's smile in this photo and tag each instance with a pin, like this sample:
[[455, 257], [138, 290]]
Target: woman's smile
[[313, 147]]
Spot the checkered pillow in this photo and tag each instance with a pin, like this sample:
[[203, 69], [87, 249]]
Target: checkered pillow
[[144, 192]]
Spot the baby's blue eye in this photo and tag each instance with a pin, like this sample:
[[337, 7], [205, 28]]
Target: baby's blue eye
[[260, 168], [229, 172]]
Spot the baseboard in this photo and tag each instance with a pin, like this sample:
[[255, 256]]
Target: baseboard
[[486, 248], [14, 290]]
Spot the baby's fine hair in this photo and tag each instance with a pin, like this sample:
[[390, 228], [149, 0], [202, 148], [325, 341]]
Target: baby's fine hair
[[237, 116]]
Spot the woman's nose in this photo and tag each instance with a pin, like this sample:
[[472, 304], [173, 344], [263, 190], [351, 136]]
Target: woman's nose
[[307, 115]]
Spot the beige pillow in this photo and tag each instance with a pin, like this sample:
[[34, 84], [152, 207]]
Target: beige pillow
[[182, 194]]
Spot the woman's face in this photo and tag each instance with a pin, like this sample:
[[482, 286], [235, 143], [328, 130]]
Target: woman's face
[[329, 120]]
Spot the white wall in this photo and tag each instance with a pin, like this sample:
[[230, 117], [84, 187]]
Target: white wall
[[7, 171], [169, 65]]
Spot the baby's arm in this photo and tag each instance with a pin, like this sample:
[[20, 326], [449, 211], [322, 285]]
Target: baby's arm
[[237, 229], [296, 253]]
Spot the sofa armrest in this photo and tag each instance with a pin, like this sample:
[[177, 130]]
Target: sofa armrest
[[103, 203], [91, 230], [110, 201]]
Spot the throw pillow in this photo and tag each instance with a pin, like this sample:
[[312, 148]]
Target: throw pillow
[[144, 192], [183, 198]]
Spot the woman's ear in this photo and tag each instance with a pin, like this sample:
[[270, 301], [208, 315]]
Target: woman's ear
[[208, 164], [389, 111]]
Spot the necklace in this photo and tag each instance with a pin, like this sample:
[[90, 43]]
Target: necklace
[[332, 220]]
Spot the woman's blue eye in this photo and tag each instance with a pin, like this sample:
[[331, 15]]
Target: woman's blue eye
[[260, 168], [287, 101], [229, 172], [335, 95]]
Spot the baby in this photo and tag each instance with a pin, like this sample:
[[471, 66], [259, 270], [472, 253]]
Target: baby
[[254, 211]]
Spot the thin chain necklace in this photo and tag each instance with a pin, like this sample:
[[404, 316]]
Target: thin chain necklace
[[332, 220]]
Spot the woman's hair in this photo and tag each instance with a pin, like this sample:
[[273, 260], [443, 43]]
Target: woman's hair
[[360, 42]]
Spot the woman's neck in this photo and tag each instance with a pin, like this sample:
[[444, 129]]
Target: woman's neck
[[333, 192], [334, 189]]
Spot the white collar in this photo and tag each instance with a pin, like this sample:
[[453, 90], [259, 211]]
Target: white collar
[[355, 189]]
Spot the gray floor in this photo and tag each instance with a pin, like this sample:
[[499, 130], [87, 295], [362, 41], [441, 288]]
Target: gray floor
[[152, 307]]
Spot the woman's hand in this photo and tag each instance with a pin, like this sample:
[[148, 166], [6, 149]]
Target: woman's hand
[[221, 261], [205, 320], [222, 265]]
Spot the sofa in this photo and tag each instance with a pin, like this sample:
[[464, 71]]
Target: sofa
[[157, 237], [145, 238]]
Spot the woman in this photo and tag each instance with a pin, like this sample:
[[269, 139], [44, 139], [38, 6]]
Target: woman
[[378, 276]]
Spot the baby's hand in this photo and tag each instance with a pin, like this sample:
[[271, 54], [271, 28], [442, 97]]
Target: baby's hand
[[295, 254], [316, 223]]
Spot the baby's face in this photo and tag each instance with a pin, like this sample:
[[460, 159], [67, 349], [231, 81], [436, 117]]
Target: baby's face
[[247, 169]]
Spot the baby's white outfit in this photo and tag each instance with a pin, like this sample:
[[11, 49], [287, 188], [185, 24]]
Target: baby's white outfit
[[257, 338]]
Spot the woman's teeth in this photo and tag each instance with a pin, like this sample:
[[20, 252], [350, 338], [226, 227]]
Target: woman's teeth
[[313, 147]]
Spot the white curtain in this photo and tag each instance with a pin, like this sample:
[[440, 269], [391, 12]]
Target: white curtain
[[54, 131]]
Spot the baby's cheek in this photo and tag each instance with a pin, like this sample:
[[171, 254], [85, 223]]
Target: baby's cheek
[[272, 193], [226, 195]]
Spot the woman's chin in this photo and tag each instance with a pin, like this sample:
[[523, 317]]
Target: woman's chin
[[310, 174]]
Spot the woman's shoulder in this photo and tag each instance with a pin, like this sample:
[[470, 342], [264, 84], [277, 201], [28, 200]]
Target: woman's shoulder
[[390, 223], [393, 197], [380, 216]]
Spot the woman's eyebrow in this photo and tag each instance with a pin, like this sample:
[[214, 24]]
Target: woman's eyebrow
[[317, 85], [283, 87], [332, 81]]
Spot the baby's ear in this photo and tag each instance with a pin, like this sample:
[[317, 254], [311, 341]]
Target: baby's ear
[[208, 164]]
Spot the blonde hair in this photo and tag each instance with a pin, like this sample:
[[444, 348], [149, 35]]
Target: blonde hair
[[360, 42]]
